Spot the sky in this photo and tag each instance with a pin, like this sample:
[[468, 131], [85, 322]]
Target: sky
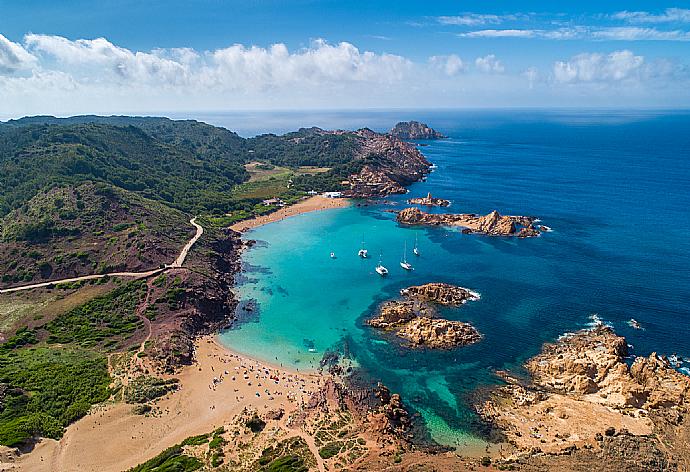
[[154, 56]]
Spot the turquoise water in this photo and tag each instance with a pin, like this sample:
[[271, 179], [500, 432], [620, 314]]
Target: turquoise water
[[615, 187]]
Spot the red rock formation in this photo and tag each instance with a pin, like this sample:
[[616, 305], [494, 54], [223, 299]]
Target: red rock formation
[[492, 224]]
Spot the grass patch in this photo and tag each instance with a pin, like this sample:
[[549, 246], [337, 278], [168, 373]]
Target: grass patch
[[146, 388], [47, 388], [102, 318], [171, 460]]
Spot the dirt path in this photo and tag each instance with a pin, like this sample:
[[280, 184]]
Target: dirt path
[[137, 275], [183, 254]]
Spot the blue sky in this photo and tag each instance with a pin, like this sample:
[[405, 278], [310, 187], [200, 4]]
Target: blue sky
[[135, 56]]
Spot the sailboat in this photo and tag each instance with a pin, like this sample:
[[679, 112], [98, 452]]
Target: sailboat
[[380, 269], [403, 263], [415, 250], [363, 253]]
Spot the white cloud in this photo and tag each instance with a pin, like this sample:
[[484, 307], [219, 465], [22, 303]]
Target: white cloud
[[505, 33], [595, 67], [639, 34], [489, 64], [255, 67], [54, 75], [670, 15], [614, 33], [472, 19], [450, 65], [13, 57]]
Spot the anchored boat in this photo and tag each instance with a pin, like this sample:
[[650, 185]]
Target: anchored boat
[[403, 263], [380, 269]]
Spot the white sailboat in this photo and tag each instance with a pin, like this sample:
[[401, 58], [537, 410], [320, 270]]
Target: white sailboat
[[333, 255], [403, 263], [380, 269], [415, 250], [363, 253]]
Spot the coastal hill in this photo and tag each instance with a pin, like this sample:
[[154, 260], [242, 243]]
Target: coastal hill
[[89, 196], [414, 130]]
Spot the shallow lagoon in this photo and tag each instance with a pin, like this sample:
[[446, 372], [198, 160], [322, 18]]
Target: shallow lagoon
[[596, 180]]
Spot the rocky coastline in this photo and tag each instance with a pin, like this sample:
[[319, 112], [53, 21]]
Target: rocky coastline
[[414, 319], [585, 401], [492, 224], [390, 164], [414, 130], [429, 200]]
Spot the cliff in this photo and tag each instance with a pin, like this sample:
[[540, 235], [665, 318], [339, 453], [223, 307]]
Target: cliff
[[492, 224], [414, 130], [388, 165]]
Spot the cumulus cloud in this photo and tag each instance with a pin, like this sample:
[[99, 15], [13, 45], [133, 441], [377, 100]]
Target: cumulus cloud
[[56, 75], [234, 67], [595, 67], [321, 63], [13, 57], [670, 15], [489, 64], [451, 65]]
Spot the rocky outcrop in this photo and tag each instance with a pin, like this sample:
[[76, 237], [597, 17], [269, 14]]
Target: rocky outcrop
[[414, 320], [414, 130], [441, 293], [390, 164], [429, 201], [437, 333], [492, 224], [582, 386], [396, 419], [593, 361]]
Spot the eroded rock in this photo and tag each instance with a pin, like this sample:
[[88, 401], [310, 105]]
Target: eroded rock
[[492, 224]]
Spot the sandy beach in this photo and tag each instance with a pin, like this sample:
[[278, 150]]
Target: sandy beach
[[314, 203], [216, 388]]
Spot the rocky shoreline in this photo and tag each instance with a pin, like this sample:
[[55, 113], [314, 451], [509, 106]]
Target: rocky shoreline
[[492, 224], [413, 319], [390, 165], [584, 401]]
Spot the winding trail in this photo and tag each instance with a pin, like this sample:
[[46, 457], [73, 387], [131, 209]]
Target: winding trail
[[176, 264]]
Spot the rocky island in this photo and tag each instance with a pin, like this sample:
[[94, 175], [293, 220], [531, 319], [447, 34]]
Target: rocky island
[[414, 320], [429, 200], [585, 400], [414, 130], [492, 224]]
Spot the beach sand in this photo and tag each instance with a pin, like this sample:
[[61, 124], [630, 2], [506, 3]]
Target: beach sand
[[314, 203], [112, 438]]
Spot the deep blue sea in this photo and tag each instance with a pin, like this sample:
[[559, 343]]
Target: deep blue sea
[[613, 185]]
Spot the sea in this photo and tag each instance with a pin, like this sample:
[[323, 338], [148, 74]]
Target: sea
[[613, 186]]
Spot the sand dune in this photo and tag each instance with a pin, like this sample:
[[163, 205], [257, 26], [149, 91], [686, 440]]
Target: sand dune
[[112, 438]]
